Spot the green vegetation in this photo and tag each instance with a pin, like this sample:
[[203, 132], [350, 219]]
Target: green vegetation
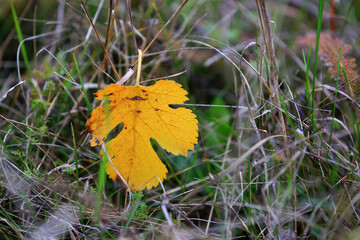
[[279, 135]]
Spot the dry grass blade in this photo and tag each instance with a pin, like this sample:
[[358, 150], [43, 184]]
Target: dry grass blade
[[260, 169], [102, 45], [270, 52]]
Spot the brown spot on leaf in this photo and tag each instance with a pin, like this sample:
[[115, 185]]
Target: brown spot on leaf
[[96, 95], [143, 90], [138, 111], [136, 98], [97, 141], [156, 109]]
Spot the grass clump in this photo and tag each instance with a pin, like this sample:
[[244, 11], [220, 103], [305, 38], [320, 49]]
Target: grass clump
[[279, 131]]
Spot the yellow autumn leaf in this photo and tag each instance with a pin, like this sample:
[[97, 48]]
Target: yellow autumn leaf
[[145, 113]]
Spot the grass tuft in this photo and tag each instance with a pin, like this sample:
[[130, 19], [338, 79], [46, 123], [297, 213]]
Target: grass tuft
[[279, 132]]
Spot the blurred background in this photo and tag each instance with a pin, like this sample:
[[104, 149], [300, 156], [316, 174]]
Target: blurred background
[[305, 186]]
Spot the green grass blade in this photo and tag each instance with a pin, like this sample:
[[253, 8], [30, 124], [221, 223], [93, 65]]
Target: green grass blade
[[75, 155], [100, 187], [82, 85], [308, 89], [132, 212], [19, 33], [102, 170], [320, 11]]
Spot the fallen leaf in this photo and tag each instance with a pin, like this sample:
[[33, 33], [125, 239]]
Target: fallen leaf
[[145, 113]]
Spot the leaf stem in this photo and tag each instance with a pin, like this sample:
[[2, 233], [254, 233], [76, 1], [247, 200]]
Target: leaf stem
[[139, 67]]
